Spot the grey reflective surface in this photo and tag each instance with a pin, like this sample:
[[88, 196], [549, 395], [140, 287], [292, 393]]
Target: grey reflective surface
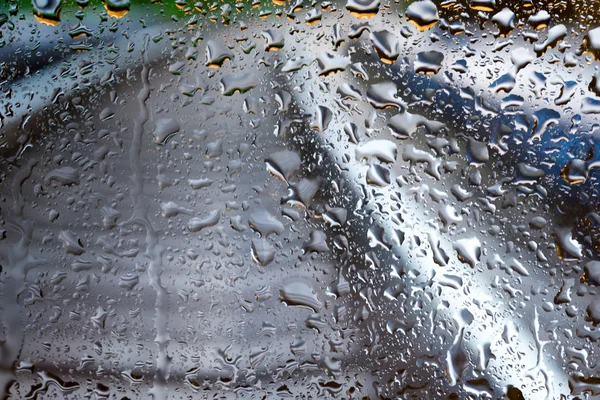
[[292, 201]]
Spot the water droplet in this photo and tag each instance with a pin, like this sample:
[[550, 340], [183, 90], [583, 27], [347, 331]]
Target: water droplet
[[363, 8], [165, 127], [197, 224], [469, 250], [429, 62], [423, 14], [47, 11], [237, 83], [387, 46], [263, 252], [283, 164], [330, 63], [265, 223], [217, 54], [299, 293]]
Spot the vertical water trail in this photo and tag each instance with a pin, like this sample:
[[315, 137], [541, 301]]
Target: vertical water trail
[[13, 283], [154, 250]]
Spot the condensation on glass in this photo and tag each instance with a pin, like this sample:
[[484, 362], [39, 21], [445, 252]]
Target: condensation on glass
[[353, 199]]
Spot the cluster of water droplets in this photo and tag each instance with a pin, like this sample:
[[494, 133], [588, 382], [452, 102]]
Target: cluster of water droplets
[[361, 199]]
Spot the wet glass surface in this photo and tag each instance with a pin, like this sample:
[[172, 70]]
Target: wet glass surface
[[294, 199]]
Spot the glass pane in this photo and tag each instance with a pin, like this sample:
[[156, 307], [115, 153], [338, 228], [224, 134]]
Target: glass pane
[[353, 199]]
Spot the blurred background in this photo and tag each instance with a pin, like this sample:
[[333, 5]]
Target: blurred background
[[361, 199]]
